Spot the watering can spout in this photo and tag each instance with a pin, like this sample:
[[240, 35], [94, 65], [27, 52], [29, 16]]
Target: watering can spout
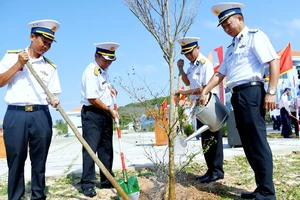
[[198, 132]]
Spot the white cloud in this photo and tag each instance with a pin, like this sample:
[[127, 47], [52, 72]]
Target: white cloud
[[280, 28], [210, 24], [275, 33], [294, 25], [276, 22]]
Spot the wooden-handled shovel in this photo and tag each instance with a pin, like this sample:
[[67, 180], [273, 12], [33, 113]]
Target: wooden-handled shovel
[[79, 137]]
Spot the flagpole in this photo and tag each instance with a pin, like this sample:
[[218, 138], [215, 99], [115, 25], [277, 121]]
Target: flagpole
[[296, 98], [219, 51]]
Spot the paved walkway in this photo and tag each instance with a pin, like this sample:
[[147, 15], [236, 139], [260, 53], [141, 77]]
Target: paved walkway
[[65, 153]]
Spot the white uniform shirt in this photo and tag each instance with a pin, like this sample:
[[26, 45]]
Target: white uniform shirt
[[284, 103], [246, 58], [272, 113], [23, 88], [95, 84], [199, 73], [276, 112]]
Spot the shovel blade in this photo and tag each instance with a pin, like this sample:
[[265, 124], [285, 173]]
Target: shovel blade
[[131, 188]]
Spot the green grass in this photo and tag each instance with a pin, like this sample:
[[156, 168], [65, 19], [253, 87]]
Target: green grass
[[286, 174], [278, 135], [3, 188], [238, 177]]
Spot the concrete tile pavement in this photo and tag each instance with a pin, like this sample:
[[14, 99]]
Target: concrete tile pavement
[[65, 153]]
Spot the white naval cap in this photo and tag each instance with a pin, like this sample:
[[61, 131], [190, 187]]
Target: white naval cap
[[107, 50], [188, 44], [46, 27], [225, 10]]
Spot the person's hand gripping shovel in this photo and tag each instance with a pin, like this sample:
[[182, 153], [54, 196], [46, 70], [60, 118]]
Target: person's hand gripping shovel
[[129, 184], [79, 137]]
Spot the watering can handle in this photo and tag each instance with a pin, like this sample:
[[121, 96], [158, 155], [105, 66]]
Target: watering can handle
[[199, 131]]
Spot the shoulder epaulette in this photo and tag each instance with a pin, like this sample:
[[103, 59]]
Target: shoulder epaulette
[[96, 71], [202, 60], [13, 51], [253, 30], [51, 63]]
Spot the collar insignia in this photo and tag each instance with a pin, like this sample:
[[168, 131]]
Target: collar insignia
[[231, 44]]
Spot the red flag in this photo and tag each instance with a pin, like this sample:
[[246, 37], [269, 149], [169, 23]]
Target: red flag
[[219, 51], [216, 67], [181, 96], [286, 62], [164, 104]]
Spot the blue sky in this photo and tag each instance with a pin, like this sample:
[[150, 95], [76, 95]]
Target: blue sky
[[84, 23]]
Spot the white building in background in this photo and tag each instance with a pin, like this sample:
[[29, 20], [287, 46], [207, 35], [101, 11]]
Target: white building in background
[[129, 126], [146, 122], [75, 117]]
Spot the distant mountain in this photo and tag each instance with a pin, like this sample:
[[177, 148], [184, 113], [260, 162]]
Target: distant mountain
[[134, 111]]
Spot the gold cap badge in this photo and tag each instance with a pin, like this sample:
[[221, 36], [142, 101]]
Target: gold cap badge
[[217, 12], [54, 28]]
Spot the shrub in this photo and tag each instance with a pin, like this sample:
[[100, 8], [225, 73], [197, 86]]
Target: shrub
[[224, 130], [188, 129]]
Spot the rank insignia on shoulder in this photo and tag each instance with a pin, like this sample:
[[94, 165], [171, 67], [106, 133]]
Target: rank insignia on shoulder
[[253, 30], [51, 63], [13, 51], [242, 46], [96, 71], [202, 60]]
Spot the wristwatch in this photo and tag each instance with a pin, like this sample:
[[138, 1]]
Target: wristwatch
[[272, 92]]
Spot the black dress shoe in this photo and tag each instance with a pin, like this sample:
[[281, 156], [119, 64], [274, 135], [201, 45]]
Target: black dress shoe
[[90, 192], [202, 177], [209, 179], [248, 195]]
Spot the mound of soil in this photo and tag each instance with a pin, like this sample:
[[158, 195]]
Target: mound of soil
[[187, 189]]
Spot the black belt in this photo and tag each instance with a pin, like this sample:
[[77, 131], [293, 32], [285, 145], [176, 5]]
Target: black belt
[[96, 110], [28, 108], [93, 108], [246, 85]]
